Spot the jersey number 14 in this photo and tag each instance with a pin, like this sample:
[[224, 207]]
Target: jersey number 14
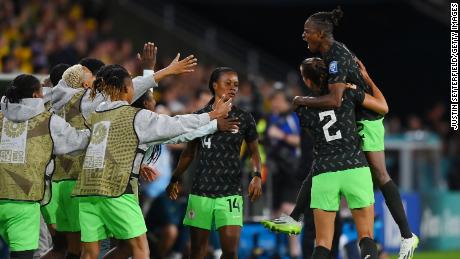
[[327, 134]]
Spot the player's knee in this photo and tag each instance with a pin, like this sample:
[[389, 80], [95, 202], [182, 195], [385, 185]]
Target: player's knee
[[171, 232], [89, 253], [380, 174]]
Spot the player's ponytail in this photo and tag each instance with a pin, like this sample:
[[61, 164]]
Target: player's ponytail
[[325, 21], [315, 69], [24, 86]]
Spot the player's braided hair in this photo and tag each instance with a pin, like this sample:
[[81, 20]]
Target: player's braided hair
[[325, 21], [316, 70], [109, 81], [24, 86]]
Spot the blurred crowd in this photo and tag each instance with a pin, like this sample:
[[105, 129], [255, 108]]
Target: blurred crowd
[[38, 34]]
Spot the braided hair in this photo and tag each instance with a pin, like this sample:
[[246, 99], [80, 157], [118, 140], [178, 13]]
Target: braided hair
[[325, 21], [316, 70], [109, 81]]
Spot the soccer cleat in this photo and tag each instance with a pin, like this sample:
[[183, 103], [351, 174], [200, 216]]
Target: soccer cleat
[[408, 246], [284, 224]]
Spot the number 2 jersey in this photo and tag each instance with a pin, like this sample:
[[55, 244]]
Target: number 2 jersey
[[337, 145], [218, 172]]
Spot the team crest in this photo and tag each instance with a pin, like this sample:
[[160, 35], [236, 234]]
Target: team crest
[[191, 214], [333, 68]]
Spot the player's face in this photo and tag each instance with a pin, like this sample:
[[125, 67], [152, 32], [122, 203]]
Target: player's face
[[88, 78], [312, 36], [38, 93], [227, 85], [150, 103]]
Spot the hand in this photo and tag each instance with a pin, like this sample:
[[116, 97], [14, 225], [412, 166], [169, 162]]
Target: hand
[[173, 190], [228, 124], [276, 133], [148, 173], [255, 188], [362, 69], [185, 65], [148, 57], [221, 109]]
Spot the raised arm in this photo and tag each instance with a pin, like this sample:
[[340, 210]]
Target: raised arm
[[376, 101], [186, 158]]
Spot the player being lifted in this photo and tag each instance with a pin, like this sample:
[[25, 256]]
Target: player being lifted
[[343, 68]]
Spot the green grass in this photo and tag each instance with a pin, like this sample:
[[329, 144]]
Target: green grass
[[434, 255]]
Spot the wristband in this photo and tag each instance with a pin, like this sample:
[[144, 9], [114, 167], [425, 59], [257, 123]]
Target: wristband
[[175, 179], [258, 174]]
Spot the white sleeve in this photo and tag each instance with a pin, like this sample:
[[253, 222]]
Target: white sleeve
[[143, 83], [205, 130], [154, 128], [66, 138]]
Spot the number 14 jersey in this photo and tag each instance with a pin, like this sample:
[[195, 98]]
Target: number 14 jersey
[[218, 172], [337, 145]]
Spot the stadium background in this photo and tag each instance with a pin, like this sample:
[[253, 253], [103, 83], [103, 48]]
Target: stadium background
[[404, 45]]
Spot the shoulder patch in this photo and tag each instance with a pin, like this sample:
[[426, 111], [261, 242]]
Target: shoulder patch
[[333, 67]]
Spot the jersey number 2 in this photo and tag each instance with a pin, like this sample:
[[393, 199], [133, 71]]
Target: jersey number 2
[[329, 137]]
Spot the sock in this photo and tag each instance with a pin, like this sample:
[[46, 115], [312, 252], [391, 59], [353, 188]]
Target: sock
[[368, 248], [72, 256], [320, 252], [303, 199], [29, 254], [393, 200]]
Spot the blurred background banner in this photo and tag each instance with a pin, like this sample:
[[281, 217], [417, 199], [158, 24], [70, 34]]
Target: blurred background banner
[[403, 43]]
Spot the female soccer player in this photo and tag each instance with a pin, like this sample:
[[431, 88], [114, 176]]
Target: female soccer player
[[30, 136], [216, 196], [339, 166], [108, 191], [343, 68]]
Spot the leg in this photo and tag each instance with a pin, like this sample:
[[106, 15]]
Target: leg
[[121, 251], [199, 242], [324, 225], [73, 244], [90, 250], [389, 190], [58, 250], [229, 239], [303, 199], [364, 220], [139, 247], [168, 238], [28, 254]]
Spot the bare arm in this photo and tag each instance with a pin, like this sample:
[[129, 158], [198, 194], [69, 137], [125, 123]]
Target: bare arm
[[377, 101], [186, 158], [332, 100], [255, 186]]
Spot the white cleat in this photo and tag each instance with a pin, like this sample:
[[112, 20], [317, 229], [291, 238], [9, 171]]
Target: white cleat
[[408, 246]]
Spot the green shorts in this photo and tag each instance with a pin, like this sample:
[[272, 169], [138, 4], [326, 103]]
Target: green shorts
[[67, 219], [50, 209], [372, 134], [355, 184], [20, 224], [103, 217], [203, 212]]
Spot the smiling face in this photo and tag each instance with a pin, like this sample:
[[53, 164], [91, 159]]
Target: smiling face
[[312, 36], [227, 85]]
